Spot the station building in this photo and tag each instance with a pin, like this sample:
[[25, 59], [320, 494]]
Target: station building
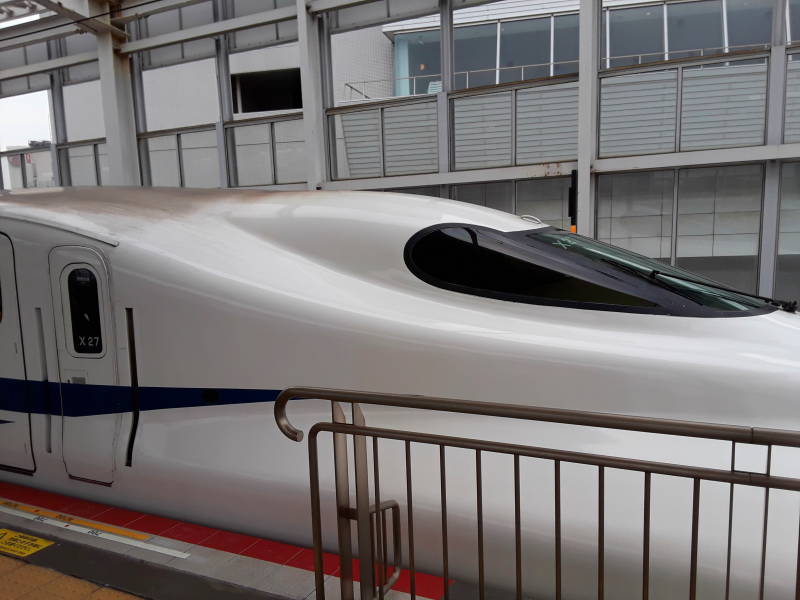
[[675, 123]]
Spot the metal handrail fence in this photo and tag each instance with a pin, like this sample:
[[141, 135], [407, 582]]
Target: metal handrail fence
[[373, 573]]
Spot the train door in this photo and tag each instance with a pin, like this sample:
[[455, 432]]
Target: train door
[[15, 430], [86, 362]]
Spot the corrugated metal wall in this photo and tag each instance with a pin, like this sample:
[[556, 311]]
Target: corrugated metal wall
[[637, 113], [405, 142], [547, 123], [791, 127], [410, 138], [723, 106], [482, 131], [362, 142]]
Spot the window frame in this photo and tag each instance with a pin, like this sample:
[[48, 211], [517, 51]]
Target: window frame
[[667, 302]]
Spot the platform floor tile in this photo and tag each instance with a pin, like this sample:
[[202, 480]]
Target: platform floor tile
[[21, 581]]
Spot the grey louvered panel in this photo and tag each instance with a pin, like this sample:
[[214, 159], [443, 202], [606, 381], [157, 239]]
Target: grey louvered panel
[[410, 139], [723, 106], [482, 131], [362, 142], [547, 123], [791, 127], [637, 113]]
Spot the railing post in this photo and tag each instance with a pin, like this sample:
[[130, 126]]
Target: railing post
[[341, 468], [367, 569]]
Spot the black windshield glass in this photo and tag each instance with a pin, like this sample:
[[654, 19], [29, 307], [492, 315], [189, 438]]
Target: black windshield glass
[[683, 282], [553, 267]]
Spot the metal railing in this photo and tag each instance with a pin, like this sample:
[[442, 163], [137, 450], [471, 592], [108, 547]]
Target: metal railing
[[420, 85], [376, 579]]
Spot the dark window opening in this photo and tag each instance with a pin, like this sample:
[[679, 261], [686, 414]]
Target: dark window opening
[[267, 90], [554, 267], [84, 309], [458, 256]]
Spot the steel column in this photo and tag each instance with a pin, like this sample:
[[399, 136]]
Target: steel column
[[587, 112], [118, 111], [308, 31]]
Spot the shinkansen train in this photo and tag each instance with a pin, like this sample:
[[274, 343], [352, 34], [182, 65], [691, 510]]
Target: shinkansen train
[[209, 303]]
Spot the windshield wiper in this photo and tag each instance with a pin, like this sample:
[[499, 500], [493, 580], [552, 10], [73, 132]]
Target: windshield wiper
[[787, 305], [654, 276]]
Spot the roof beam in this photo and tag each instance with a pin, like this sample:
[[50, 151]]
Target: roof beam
[[211, 30], [33, 32], [48, 65], [85, 22], [129, 11]]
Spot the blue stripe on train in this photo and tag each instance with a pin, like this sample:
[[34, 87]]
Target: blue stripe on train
[[83, 400]]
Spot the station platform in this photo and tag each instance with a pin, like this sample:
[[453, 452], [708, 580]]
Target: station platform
[[110, 549]]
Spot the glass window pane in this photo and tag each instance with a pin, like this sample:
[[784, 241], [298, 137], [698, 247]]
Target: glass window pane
[[475, 55], [24, 119], [498, 195], [749, 22], [524, 49], [81, 165], [637, 35], [11, 167], [164, 161], [794, 20], [84, 309], [719, 223], [200, 159], [102, 163], [565, 45], [634, 211], [417, 63], [787, 276], [695, 28], [39, 170], [289, 151], [547, 199], [253, 155]]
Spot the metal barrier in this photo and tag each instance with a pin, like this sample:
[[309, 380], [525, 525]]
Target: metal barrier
[[377, 579]]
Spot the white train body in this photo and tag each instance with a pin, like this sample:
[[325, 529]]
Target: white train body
[[234, 296]]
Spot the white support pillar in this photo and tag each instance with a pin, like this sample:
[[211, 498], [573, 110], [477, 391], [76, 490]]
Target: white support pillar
[[118, 111], [308, 34], [587, 113]]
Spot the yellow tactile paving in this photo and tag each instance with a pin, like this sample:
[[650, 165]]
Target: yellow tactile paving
[[20, 581]]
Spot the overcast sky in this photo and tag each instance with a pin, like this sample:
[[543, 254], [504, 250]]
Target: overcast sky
[[23, 118]]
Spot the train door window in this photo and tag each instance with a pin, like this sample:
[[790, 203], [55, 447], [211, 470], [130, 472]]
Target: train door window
[[85, 319], [461, 259]]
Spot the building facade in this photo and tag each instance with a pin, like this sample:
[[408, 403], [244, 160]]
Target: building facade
[[677, 122]]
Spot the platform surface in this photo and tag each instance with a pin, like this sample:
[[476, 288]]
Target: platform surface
[[156, 557], [23, 581]]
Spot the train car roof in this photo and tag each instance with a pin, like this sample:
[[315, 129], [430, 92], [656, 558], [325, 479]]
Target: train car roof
[[115, 214]]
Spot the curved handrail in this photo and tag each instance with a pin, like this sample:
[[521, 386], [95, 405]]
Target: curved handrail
[[732, 433]]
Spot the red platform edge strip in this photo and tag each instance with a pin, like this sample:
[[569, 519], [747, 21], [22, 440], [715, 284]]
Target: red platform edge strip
[[427, 586]]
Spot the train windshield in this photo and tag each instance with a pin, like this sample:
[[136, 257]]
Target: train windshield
[[700, 289], [553, 267]]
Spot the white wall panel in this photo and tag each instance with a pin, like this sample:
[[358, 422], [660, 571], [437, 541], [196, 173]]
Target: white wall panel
[[723, 106], [284, 56], [547, 123], [482, 131], [792, 110], [410, 138], [181, 95], [83, 110], [637, 113]]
